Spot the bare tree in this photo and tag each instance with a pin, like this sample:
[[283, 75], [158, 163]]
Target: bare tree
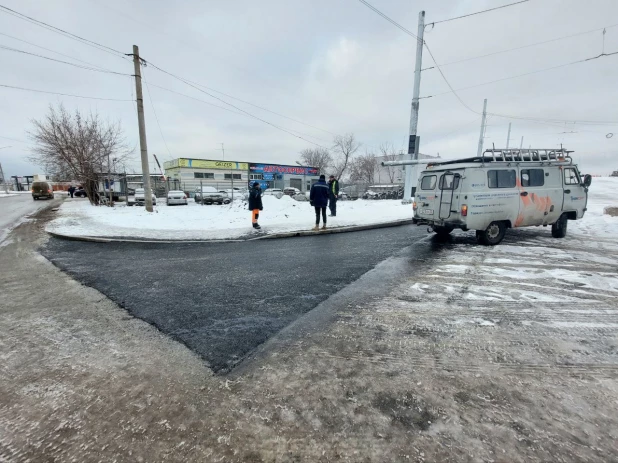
[[363, 168], [316, 157], [344, 146], [388, 153], [76, 147]]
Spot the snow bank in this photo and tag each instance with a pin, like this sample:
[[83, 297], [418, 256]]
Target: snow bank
[[78, 217]]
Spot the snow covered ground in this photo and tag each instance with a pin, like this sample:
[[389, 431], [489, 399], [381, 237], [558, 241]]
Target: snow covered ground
[[78, 217]]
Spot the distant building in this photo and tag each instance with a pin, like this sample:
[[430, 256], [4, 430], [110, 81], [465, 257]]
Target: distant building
[[187, 174]]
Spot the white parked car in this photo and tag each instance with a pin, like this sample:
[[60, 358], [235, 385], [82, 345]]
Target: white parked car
[[211, 196], [140, 198], [277, 192], [176, 197]]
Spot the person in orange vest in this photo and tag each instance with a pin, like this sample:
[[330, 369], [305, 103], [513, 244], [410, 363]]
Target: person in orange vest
[[255, 204]]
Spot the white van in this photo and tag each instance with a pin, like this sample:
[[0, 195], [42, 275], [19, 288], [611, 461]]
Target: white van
[[499, 190]]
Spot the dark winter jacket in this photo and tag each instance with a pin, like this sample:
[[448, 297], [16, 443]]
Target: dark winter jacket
[[319, 194], [255, 198], [333, 189]]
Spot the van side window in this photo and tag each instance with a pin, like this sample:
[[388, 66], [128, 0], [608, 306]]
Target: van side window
[[532, 177], [428, 182], [571, 177], [501, 178], [449, 181]]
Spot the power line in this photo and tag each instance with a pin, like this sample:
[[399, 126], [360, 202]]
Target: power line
[[393, 22], [486, 83], [62, 32], [230, 104], [479, 12], [524, 46], [221, 107], [447, 82], [49, 49], [519, 75], [106, 71], [109, 49], [157, 118], [263, 109], [63, 94]]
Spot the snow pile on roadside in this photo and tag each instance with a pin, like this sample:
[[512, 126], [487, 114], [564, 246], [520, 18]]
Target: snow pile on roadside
[[603, 193], [78, 218]]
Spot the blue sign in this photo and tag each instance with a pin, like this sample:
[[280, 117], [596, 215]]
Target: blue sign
[[268, 176], [277, 169]]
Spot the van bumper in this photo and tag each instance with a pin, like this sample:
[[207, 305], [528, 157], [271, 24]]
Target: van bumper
[[440, 223]]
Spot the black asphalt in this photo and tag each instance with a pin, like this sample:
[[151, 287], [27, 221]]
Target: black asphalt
[[224, 299]]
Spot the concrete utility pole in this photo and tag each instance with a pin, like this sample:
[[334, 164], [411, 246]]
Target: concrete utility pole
[[414, 139], [479, 152], [6, 188], [508, 137], [142, 129]]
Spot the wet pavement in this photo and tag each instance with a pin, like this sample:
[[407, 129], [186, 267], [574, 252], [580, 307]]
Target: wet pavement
[[223, 300]]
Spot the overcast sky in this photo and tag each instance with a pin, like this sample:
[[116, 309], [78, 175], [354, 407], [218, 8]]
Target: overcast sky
[[334, 65]]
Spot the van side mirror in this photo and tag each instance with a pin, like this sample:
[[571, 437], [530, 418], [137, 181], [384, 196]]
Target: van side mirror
[[587, 180]]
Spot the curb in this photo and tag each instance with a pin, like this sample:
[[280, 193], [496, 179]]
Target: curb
[[328, 231]]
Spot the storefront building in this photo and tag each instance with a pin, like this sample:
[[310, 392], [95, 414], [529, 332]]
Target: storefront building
[[279, 176], [187, 174]]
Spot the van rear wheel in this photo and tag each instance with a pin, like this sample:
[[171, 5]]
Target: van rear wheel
[[493, 235], [559, 229]]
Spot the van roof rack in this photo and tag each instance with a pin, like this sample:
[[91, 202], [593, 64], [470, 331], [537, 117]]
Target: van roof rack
[[516, 155]]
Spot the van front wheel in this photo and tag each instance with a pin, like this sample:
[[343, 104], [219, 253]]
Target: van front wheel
[[493, 235], [559, 229]]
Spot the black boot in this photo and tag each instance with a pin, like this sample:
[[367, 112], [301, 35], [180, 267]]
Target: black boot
[[256, 226]]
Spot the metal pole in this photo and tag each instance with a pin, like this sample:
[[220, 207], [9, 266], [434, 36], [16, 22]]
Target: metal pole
[[201, 193], [479, 152], [508, 137], [223, 150], [232, 173], [6, 188], [413, 143], [142, 129]]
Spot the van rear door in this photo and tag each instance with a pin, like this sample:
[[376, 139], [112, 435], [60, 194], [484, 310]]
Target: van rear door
[[448, 185], [575, 195], [427, 202]]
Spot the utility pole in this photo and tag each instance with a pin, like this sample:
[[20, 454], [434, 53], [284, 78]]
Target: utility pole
[[223, 150], [142, 129], [508, 137], [6, 188], [166, 185], [479, 152], [414, 139]]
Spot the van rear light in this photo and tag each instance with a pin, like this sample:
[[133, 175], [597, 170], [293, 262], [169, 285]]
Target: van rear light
[[414, 205], [464, 210]]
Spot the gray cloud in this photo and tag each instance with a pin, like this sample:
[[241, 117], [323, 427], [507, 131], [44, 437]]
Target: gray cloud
[[333, 65]]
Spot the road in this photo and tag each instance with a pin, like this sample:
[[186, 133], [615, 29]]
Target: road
[[224, 299], [13, 209]]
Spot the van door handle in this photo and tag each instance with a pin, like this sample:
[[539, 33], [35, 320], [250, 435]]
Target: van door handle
[[566, 192], [524, 193]]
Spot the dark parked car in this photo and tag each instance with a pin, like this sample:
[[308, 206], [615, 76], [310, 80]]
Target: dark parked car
[[80, 193], [42, 190]]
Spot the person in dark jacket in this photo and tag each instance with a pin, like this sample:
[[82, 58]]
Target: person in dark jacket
[[319, 200], [333, 194], [71, 190], [255, 204]]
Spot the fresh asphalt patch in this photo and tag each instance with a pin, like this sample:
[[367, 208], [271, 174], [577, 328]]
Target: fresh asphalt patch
[[222, 300]]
